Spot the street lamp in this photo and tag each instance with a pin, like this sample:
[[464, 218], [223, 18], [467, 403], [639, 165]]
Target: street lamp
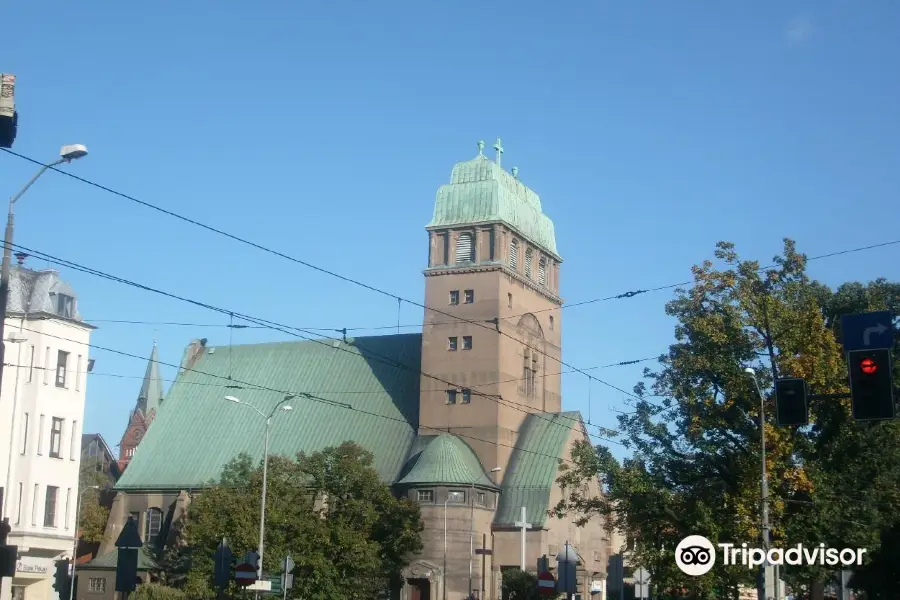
[[764, 501], [472, 529], [262, 510], [66, 154], [75, 545]]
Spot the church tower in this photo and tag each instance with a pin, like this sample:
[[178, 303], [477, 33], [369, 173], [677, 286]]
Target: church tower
[[149, 399], [493, 265]]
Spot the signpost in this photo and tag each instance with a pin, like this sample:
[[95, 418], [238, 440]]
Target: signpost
[[641, 583], [546, 584]]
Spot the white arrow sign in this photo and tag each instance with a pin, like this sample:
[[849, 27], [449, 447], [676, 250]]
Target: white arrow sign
[[867, 333]]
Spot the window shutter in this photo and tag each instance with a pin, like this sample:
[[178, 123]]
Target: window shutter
[[465, 250], [542, 271], [514, 254], [528, 254]]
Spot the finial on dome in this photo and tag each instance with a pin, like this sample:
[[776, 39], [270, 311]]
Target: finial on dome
[[499, 148], [515, 172], [480, 147]]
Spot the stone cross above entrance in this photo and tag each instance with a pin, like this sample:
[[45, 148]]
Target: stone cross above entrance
[[523, 525]]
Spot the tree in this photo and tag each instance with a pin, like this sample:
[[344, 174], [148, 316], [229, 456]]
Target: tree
[[694, 433], [347, 534], [154, 591], [94, 508], [519, 585]]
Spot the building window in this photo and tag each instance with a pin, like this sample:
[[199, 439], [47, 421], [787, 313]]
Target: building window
[[509, 300], [97, 585], [68, 502], [528, 374], [514, 254], [31, 366], [50, 500], [469, 296], [552, 323], [451, 396], [542, 271], [154, 525], [454, 297], [72, 439], [424, 496], [528, 255], [25, 434], [129, 452], [40, 448], [491, 241], [56, 437], [65, 306], [481, 499], [62, 362], [467, 342], [452, 343], [46, 365], [456, 497], [467, 396], [446, 237], [465, 249], [19, 503]]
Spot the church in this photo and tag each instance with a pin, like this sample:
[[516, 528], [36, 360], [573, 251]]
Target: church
[[465, 417]]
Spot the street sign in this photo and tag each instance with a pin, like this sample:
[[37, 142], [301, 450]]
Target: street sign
[[486, 551], [868, 331], [287, 570], [641, 583], [129, 538], [546, 584], [245, 574]]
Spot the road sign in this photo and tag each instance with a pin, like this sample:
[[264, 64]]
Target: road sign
[[129, 538], [868, 331], [641, 583], [546, 584], [245, 573]]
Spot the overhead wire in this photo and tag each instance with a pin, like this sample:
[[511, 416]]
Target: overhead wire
[[380, 291], [289, 330]]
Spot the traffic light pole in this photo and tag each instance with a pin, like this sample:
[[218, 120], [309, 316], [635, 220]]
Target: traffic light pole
[[764, 486]]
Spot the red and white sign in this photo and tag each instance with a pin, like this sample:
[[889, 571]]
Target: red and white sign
[[245, 574], [546, 584]]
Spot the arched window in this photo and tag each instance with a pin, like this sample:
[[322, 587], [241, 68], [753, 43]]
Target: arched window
[[465, 249], [514, 254], [542, 271], [153, 525], [528, 254]]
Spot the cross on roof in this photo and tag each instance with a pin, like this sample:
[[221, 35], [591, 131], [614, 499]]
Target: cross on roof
[[499, 148]]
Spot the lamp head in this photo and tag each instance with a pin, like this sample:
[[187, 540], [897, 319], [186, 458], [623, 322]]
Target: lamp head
[[73, 151], [750, 371]]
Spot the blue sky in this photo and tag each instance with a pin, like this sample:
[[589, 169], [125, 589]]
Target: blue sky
[[650, 130]]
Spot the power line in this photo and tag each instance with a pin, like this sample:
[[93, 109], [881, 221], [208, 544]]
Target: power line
[[282, 328], [316, 398], [280, 254]]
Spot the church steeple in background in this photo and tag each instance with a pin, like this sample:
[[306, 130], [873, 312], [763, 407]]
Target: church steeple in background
[[149, 399]]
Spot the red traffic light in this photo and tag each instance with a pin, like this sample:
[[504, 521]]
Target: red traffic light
[[868, 366]]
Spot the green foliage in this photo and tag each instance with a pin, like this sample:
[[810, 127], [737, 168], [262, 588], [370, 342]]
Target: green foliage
[[346, 532], [94, 514], [154, 591], [519, 585], [695, 438]]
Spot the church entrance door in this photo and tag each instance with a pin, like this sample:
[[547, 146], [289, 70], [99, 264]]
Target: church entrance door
[[419, 589]]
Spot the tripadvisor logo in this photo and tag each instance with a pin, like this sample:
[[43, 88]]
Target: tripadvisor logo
[[695, 555]]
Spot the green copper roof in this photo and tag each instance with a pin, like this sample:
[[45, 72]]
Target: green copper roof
[[447, 459], [196, 431], [481, 191], [533, 468], [152, 387], [146, 562]]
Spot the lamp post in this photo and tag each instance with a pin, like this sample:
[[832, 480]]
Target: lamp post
[[75, 544], [472, 529], [445, 546], [262, 510], [764, 488], [66, 154]]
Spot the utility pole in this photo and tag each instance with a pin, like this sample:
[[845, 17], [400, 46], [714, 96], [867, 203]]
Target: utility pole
[[764, 486]]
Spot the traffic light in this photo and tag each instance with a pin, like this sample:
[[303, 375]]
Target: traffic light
[[791, 406], [871, 385], [61, 579], [8, 129]]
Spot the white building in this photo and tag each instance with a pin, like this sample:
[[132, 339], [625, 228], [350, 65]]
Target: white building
[[41, 415]]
